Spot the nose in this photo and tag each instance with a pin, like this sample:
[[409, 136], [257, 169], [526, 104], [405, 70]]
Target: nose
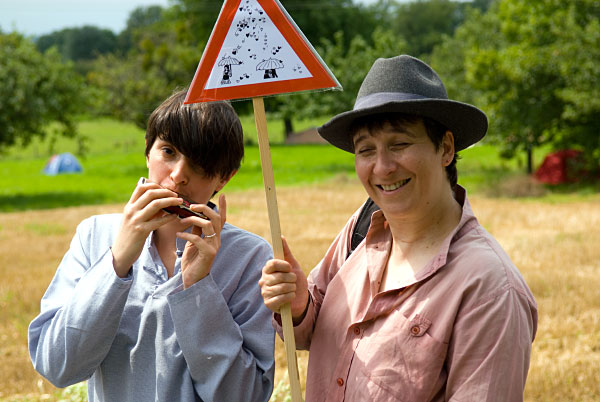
[[384, 163], [179, 172]]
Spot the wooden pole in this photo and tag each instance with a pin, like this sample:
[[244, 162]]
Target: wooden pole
[[285, 311]]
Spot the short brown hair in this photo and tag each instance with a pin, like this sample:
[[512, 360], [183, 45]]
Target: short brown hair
[[435, 132], [209, 134]]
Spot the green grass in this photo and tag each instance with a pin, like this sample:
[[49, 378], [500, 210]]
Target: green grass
[[102, 136], [110, 178], [480, 167], [108, 136], [115, 161], [482, 170], [275, 128]]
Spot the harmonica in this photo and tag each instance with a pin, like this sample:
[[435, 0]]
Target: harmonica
[[183, 210]]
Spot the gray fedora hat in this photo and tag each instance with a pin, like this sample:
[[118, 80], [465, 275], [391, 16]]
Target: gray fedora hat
[[404, 84]]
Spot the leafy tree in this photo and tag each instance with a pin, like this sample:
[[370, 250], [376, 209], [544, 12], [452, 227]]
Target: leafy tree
[[453, 58], [80, 45], [481, 5], [423, 23], [351, 37], [139, 18], [125, 90], [533, 66], [56, 38], [167, 46], [317, 19], [577, 56], [77, 44], [196, 19], [131, 87], [320, 22], [321, 19], [36, 89], [350, 66]]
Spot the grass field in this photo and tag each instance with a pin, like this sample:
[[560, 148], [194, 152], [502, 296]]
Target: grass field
[[115, 161], [555, 245], [551, 235]]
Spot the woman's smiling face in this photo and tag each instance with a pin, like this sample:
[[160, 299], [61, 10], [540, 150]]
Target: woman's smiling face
[[400, 167]]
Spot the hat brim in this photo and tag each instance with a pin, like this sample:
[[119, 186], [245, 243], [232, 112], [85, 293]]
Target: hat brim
[[467, 123]]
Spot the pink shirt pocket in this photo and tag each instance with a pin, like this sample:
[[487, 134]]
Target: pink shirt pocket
[[397, 359]]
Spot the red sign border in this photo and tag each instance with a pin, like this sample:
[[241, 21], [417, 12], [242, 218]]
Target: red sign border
[[321, 77]]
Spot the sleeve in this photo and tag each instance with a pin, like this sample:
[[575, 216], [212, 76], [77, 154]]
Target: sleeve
[[318, 280], [229, 349], [80, 314], [489, 352]]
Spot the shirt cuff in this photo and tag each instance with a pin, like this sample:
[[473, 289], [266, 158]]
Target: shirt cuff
[[295, 321], [302, 330]]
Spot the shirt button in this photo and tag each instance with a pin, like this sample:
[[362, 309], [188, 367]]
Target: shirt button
[[340, 381], [415, 330], [356, 331]]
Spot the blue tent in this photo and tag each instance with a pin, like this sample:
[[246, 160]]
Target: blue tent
[[62, 163]]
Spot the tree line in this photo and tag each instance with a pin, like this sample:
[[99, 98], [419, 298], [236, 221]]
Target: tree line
[[531, 65]]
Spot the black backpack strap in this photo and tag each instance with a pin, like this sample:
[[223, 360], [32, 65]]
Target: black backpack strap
[[362, 224]]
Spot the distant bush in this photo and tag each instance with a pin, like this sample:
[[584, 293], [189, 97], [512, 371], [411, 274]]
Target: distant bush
[[35, 90]]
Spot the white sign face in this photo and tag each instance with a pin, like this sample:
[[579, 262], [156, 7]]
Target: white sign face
[[254, 52]]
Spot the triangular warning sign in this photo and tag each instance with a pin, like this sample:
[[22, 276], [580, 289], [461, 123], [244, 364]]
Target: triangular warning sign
[[255, 50]]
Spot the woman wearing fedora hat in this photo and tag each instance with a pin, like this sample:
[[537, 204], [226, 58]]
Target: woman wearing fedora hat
[[428, 307]]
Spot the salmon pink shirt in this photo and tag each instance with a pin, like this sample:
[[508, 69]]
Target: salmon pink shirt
[[460, 331]]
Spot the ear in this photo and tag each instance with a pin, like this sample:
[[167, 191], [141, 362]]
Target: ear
[[447, 148], [224, 181]]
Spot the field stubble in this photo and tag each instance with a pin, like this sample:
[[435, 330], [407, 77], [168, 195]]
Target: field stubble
[[556, 247]]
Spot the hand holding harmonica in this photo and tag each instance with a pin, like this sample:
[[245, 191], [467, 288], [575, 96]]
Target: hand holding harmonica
[[183, 210], [142, 215]]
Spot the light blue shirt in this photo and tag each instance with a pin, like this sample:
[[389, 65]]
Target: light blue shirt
[[145, 338]]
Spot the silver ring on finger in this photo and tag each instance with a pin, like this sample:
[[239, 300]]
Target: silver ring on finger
[[210, 235]]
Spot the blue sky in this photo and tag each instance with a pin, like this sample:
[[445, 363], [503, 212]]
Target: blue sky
[[39, 17]]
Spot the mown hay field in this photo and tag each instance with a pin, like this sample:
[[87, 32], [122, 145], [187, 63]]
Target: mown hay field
[[555, 245]]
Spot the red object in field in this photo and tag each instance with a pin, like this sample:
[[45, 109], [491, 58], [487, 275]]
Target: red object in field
[[565, 166]]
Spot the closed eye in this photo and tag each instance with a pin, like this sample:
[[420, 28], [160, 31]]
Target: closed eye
[[364, 150], [400, 145]]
